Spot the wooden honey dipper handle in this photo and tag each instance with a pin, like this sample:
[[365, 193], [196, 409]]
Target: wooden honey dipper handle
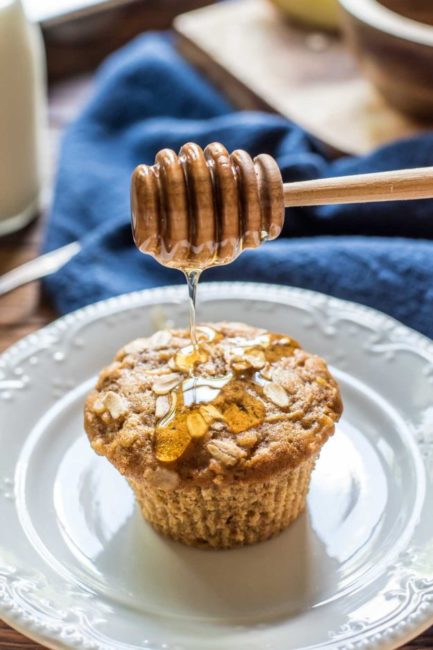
[[202, 207], [404, 184]]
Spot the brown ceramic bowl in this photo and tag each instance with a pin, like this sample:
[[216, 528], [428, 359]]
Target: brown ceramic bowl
[[393, 40]]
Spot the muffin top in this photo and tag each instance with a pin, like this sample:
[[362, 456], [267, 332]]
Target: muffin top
[[243, 405]]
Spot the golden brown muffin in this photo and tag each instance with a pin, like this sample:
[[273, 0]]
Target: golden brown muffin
[[223, 458]]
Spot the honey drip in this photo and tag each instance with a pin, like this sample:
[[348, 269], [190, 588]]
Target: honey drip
[[191, 211], [192, 278], [202, 403], [191, 355]]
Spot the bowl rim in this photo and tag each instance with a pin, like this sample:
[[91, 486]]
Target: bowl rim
[[376, 15]]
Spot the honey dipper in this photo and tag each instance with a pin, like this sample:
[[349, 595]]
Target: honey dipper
[[201, 208]]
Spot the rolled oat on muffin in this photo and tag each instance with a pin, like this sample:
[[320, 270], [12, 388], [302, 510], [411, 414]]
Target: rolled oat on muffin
[[222, 457]]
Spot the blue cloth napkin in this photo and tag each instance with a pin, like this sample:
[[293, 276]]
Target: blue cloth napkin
[[146, 98]]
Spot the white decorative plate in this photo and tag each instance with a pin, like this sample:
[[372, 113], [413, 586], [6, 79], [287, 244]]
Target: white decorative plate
[[79, 568]]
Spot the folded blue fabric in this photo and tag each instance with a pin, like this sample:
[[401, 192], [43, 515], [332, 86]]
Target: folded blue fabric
[[146, 98]]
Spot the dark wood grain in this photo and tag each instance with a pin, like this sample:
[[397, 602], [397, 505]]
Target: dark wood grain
[[25, 310], [399, 65], [420, 10], [79, 42]]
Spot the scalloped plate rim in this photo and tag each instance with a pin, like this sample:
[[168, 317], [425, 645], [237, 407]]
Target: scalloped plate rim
[[111, 304], [268, 292]]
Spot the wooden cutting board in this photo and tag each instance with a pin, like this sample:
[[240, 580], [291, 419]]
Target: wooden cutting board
[[262, 61]]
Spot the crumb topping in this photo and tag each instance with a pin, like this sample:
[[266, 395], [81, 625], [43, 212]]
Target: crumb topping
[[257, 403]]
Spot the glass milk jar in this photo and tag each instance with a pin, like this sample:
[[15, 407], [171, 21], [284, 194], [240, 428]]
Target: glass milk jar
[[22, 117]]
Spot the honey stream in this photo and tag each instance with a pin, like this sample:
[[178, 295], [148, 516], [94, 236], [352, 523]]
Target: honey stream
[[200, 225], [201, 404], [192, 279]]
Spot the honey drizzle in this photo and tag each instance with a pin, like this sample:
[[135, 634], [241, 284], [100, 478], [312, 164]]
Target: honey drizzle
[[192, 278], [193, 211], [200, 401]]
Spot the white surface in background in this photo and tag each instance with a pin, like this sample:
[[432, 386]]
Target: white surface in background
[[40, 10]]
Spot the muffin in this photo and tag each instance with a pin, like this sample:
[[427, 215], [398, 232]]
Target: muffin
[[218, 442]]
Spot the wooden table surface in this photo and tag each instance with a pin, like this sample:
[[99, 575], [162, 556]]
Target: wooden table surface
[[26, 310]]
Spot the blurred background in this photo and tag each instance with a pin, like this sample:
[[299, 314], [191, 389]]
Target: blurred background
[[354, 74], [79, 33]]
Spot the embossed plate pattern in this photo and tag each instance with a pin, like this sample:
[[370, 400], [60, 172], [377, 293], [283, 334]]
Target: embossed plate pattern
[[79, 568]]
